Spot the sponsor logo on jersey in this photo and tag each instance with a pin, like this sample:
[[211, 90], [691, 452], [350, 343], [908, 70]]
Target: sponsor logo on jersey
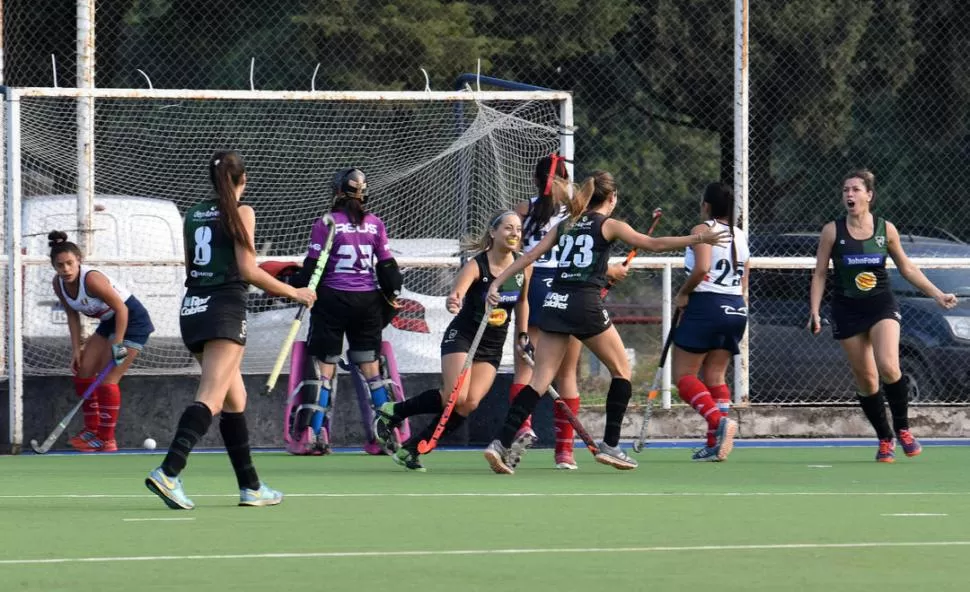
[[880, 241], [242, 329], [865, 259], [206, 215], [451, 335], [865, 281], [508, 297], [348, 228], [194, 305], [201, 274], [568, 276], [556, 300], [497, 317]]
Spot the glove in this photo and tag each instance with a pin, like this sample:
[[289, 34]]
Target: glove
[[119, 353], [525, 345]]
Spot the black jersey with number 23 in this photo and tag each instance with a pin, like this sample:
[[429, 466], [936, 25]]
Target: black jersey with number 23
[[584, 254]]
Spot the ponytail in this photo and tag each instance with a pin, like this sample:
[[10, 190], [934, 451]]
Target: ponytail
[[227, 172]]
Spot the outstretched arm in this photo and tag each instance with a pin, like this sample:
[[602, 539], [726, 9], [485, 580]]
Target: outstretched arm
[[616, 229], [253, 274], [912, 273]]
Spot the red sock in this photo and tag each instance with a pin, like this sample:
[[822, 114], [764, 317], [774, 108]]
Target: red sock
[[90, 407], [109, 399], [722, 395], [695, 394], [513, 393], [564, 430]]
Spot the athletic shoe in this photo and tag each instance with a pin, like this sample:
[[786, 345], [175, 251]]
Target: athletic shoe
[[81, 439], [615, 457], [497, 456], [566, 462], [525, 439], [375, 449], [409, 459], [169, 489], [97, 445], [887, 451], [264, 496], [911, 445], [321, 445], [726, 429], [706, 454], [384, 428]]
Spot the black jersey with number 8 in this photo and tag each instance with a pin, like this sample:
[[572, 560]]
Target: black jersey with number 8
[[584, 254], [210, 250]]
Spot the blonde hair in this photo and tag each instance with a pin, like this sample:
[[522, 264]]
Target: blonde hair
[[483, 241]]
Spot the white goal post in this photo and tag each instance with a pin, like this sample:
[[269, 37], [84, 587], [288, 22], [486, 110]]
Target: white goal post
[[438, 165]]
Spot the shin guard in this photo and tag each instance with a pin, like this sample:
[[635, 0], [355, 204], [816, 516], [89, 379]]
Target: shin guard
[[303, 403]]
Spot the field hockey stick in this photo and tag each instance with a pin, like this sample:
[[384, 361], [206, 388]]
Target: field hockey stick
[[301, 311], [654, 388], [426, 446], [657, 213], [43, 448], [570, 417]]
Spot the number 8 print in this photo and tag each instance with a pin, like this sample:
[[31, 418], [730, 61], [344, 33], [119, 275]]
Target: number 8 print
[[203, 245]]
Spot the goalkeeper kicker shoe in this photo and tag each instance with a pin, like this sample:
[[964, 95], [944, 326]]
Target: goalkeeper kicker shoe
[[384, 428], [264, 496], [497, 456], [169, 489], [615, 457]]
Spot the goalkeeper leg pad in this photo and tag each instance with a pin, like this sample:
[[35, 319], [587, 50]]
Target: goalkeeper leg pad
[[303, 407]]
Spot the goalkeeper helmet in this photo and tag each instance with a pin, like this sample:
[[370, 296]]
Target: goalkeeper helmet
[[350, 183]]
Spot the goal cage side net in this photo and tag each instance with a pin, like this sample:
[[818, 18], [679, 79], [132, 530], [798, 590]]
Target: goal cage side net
[[116, 169]]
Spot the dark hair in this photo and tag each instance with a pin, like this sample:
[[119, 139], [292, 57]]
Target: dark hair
[[350, 194], [226, 170], [868, 179], [57, 241], [721, 199], [548, 169]]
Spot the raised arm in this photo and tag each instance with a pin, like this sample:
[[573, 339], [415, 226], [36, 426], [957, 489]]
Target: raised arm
[[912, 273], [617, 229], [822, 255], [253, 274]]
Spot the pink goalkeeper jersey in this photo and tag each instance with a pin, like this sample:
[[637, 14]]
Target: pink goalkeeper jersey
[[355, 250]]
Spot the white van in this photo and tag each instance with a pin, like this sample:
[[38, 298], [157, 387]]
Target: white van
[[124, 227]]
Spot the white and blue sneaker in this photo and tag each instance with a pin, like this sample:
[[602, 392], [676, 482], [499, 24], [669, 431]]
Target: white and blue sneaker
[[706, 454], [264, 496], [169, 489]]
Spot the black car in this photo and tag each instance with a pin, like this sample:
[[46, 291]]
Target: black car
[[790, 365]]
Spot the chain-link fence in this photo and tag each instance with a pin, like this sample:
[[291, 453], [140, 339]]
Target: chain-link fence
[[835, 85]]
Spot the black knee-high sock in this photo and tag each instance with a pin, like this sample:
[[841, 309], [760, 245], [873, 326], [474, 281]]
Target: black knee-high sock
[[427, 402], [875, 409], [897, 394], [425, 434], [455, 421], [193, 424], [235, 434], [523, 406], [617, 399]]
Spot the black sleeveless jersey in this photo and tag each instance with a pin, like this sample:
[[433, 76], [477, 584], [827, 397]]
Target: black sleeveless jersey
[[473, 305], [860, 265], [210, 250], [584, 254]]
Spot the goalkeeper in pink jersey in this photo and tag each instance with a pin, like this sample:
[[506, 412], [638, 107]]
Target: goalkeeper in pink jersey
[[355, 298]]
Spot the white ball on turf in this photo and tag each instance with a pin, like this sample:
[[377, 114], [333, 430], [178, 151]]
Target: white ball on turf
[[148, 444]]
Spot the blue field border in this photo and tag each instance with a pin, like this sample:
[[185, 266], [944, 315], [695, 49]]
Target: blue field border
[[653, 444]]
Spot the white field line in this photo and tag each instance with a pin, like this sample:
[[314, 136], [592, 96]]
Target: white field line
[[912, 515], [157, 519], [520, 495], [476, 552]]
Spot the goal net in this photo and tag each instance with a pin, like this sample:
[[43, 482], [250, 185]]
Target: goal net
[[438, 164]]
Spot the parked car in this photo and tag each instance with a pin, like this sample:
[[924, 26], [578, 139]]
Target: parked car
[[416, 331], [790, 365], [124, 227]]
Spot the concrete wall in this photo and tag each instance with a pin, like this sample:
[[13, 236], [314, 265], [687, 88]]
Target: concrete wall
[[151, 406]]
